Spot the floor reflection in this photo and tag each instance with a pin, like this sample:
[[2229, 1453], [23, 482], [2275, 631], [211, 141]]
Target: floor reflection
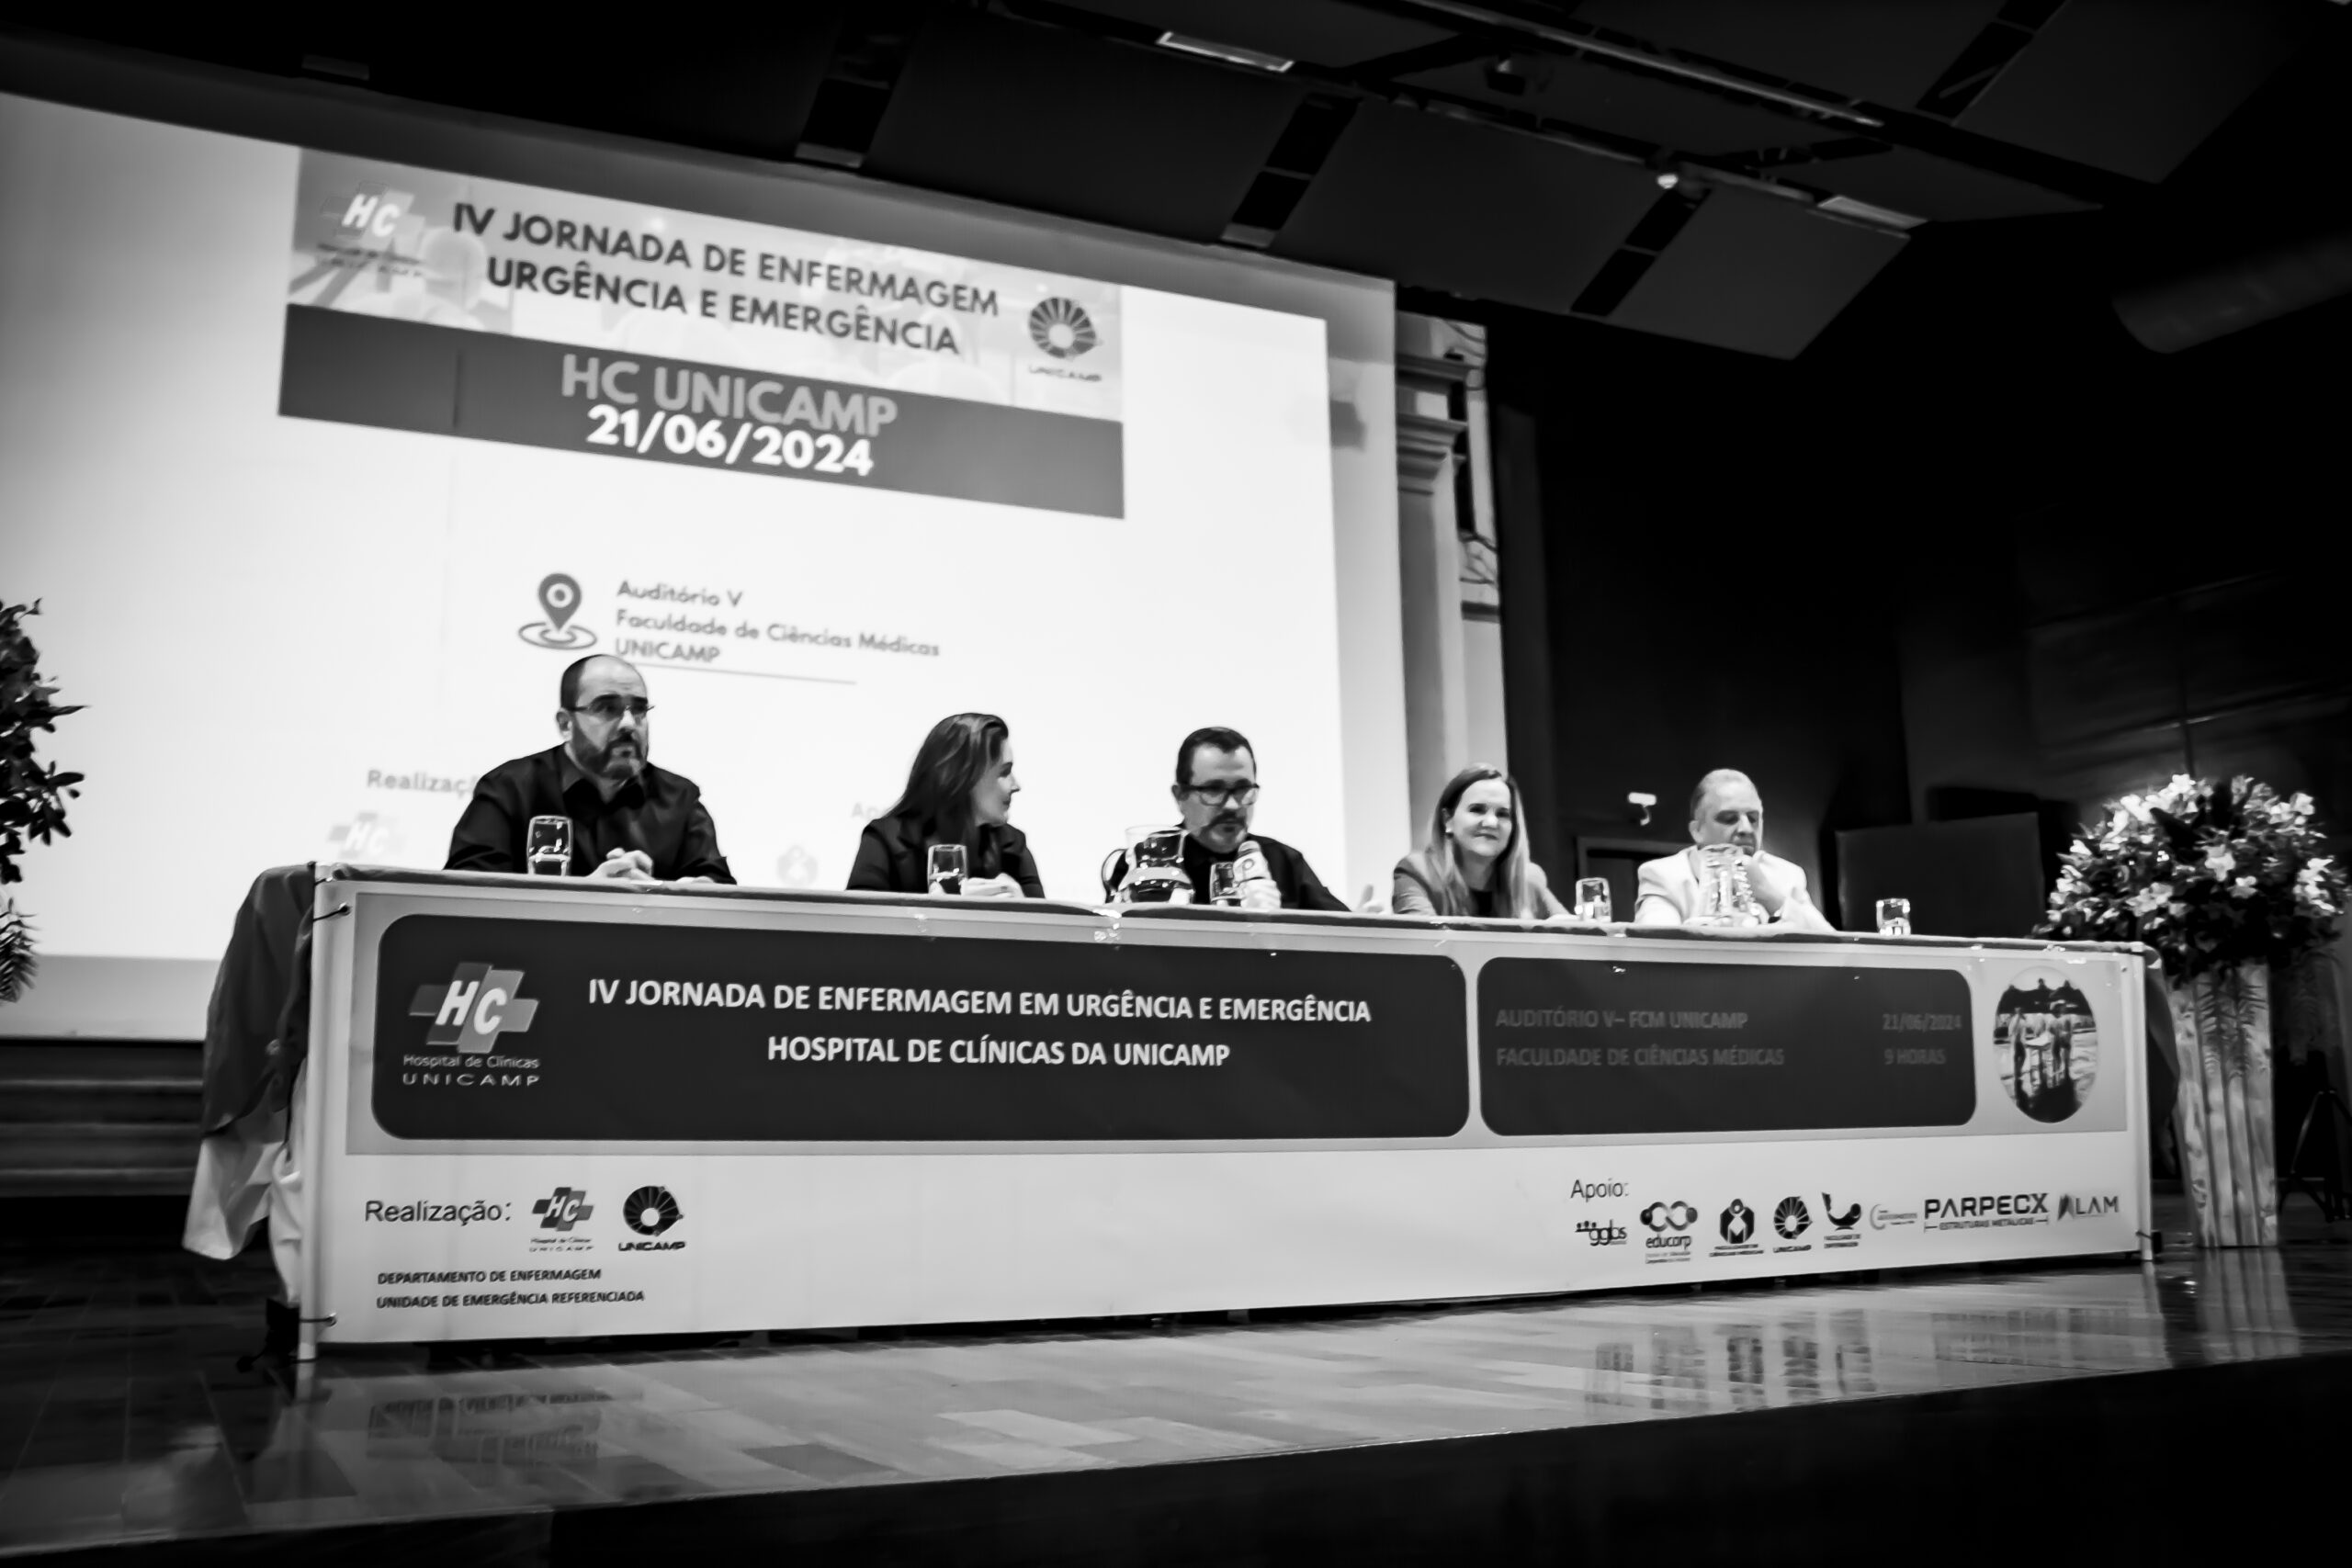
[[123, 1412]]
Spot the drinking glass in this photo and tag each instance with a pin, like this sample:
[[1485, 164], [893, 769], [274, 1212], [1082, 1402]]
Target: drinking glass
[[1225, 885], [1592, 899], [1895, 917], [944, 868], [548, 846], [1721, 887]]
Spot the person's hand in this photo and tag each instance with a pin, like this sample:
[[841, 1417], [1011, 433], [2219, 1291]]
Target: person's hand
[[1770, 891], [1262, 895], [627, 865], [997, 887]]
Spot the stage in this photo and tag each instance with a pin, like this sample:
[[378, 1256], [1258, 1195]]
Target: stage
[[2106, 1403]]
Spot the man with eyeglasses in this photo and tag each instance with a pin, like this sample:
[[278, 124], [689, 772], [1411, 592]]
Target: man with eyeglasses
[[630, 818], [1216, 790]]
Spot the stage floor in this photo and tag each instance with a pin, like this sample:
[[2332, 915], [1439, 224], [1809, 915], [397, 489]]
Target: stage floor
[[124, 1416]]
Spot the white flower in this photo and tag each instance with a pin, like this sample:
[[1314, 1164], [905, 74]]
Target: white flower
[[2150, 899], [2242, 887], [2219, 862]]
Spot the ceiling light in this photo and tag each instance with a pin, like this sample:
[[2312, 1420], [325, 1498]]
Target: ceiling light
[[1668, 180], [1231, 53]]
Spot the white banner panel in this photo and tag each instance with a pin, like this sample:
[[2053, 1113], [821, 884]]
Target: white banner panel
[[563, 1110]]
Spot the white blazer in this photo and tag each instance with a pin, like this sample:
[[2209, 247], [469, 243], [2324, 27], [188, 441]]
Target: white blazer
[[1669, 893]]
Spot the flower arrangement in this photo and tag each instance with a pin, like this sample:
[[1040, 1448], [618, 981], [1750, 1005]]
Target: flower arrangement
[[2210, 875]]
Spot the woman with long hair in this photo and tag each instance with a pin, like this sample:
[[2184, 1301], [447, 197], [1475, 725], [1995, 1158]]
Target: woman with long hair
[[1476, 861], [959, 791]]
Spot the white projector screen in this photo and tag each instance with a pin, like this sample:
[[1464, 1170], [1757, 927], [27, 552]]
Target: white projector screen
[[324, 458]]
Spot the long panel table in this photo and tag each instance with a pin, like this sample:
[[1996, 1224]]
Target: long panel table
[[555, 1107]]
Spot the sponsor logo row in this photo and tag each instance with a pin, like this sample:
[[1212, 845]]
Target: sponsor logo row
[[564, 1221], [1675, 1233]]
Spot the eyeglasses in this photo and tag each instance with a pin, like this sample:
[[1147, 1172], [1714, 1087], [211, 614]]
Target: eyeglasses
[[609, 710], [1215, 796]]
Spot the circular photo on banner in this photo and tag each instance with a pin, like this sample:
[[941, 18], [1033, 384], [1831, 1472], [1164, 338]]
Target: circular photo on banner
[[2047, 1044]]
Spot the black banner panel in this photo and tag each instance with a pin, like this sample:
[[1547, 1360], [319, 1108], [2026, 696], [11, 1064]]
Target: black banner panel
[[543, 1030], [1570, 1046], [438, 380]]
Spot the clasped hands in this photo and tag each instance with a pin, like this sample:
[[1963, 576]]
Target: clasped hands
[[633, 866]]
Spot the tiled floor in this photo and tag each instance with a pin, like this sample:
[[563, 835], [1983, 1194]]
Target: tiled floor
[[123, 1414]]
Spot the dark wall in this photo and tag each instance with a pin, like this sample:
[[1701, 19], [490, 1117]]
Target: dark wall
[[1977, 547], [1713, 600]]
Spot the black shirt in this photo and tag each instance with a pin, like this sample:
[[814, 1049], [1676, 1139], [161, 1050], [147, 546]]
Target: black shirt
[[657, 811], [1301, 888], [892, 857]]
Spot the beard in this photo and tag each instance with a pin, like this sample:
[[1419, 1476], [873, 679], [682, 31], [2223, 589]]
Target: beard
[[618, 761], [1224, 823]]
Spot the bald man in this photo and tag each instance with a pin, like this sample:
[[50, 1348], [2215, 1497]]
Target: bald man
[[630, 818], [1725, 809]]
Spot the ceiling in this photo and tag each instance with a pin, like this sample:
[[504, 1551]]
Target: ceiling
[[1728, 172]]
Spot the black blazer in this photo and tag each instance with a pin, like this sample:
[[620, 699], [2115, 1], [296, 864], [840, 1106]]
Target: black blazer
[[891, 857]]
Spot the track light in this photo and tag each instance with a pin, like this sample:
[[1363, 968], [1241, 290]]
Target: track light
[[1231, 53]]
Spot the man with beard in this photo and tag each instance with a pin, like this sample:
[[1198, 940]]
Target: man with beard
[[1216, 790], [630, 818], [1725, 809]]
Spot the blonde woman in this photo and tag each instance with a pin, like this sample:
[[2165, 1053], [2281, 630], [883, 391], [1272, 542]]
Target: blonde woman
[[1476, 862]]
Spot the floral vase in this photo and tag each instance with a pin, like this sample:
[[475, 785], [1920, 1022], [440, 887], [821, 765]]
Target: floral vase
[[2221, 1024]]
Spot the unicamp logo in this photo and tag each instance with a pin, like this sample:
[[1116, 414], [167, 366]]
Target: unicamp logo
[[1792, 1218], [559, 597], [1061, 328], [650, 1211], [474, 1008]]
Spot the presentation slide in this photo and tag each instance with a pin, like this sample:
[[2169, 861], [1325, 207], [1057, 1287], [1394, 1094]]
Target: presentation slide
[[322, 468]]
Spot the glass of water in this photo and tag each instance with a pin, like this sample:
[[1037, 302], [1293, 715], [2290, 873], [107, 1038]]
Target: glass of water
[[945, 868], [1592, 899], [548, 846], [1225, 885], [1895, 917]]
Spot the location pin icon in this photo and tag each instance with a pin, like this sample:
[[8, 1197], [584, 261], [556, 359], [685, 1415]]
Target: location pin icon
[[559, 596]]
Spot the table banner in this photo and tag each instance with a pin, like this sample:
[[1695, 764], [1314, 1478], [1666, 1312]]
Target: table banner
[[575, 1032], [1591, 1047]]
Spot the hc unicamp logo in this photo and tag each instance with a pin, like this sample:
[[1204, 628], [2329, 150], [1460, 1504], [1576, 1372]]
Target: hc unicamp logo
[[1738, 1224], [475, 1007], [562, 1208]]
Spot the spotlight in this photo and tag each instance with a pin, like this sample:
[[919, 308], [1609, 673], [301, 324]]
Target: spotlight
[[1668, 180]]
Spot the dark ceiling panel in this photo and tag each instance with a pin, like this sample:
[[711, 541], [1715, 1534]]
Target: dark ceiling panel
[[1755, 274], [749, 93], [1888, 51], [1321, 32], [1928, 187], [1057, 122], [1626, 105], [2135, 85], [1437, 203]]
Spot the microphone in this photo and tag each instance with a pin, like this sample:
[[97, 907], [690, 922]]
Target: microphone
[[1249, 867]]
